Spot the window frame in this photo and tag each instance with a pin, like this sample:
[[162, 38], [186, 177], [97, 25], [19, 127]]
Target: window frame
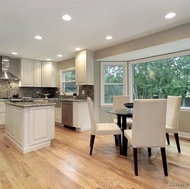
[[124, 64], [61, 82]]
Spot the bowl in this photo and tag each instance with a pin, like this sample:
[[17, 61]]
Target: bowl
[[128, 105]]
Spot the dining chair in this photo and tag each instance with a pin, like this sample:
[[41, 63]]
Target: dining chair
[[118, 103], [172, 118], [149, 118], [101, 128]]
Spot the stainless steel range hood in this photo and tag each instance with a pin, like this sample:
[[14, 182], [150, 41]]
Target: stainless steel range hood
[[4, 69]]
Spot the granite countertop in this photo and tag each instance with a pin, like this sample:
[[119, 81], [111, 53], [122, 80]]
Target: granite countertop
[[30, 104], [72, 99]]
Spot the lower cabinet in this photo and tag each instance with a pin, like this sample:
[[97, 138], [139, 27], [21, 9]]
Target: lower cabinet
[[30, 128], [58, 115], [81, 117], [2, 114]]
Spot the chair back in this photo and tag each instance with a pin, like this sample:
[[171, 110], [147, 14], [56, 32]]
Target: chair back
[[92, 116], [149, 118], [118, 102], [173, 111]]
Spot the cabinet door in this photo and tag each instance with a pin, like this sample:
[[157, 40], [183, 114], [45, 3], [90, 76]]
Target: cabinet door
[[2, 113], [58, 114], [75, 114], [49, 74], [80, 63], [40, 127], [27, 73], [84, 63], [37, 73]]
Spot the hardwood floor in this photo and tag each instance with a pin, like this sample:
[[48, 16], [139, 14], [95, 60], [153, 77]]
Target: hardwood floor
[[66, 164]]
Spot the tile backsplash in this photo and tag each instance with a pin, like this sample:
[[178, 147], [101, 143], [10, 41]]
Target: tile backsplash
[[9, 87]]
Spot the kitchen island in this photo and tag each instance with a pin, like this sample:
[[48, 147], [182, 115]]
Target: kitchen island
[[29, 125]]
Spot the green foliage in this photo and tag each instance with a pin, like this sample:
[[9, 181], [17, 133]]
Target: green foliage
[[113, 79], [162, 78]]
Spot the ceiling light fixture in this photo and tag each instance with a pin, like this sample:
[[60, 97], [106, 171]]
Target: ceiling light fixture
[[77, 49], [170, 15], [66, 17], [59, 55], [48, 59], [15, 53], [109, 37], [38, 37]]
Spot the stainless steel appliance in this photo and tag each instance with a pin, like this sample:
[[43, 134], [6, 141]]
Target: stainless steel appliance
[[67, 113]]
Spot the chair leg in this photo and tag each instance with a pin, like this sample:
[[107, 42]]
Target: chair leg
[[167, 138], [92, 138], [164, 161], [177, 142], [149, 152], [135, 161], [116, 140], [119, 140]]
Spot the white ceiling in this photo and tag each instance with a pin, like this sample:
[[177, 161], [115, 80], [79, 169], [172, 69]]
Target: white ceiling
[[92, 21]]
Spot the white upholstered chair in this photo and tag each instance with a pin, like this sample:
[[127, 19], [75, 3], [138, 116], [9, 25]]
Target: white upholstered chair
[[101, 128], [172, 118], [118, 103], [148, 131]]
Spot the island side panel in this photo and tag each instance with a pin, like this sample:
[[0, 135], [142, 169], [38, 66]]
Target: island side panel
[[30, 128]]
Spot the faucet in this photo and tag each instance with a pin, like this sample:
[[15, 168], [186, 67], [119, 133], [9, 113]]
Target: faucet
[[62, 93]]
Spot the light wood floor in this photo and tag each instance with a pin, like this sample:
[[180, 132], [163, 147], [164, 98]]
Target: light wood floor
[[66, 164]]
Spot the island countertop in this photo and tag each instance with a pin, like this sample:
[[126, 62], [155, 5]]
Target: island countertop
[[30, 104]]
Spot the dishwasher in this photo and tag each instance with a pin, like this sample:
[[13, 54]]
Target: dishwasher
[[67, 113]]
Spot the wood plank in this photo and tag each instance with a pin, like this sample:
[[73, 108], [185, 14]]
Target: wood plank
[[67, 164]]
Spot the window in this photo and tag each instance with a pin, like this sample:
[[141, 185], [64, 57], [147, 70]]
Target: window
[[68, 84], [160, 78], [113, 81]]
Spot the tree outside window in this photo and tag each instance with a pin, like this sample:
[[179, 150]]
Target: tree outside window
[[162, 78], [113, 81]]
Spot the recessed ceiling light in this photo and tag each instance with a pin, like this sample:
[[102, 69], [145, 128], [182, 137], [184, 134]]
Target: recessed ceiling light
[[66, 17], [109, 37], [48, 59], [170, 15], [38, 37], [15, 53], [59, 55], [77, 49]]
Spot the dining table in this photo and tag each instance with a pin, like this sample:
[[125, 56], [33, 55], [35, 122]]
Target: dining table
[[122, 115]]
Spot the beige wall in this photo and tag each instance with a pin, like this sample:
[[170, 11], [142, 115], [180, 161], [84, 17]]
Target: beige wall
[[167, 36]]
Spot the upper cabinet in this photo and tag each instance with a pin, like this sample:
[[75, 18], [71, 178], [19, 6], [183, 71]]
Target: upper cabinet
[[37, 73], [30, 73], [84, 63], [34, 73], [49, 74]]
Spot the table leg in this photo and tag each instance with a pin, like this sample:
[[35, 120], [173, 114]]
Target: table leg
[[124, 141]]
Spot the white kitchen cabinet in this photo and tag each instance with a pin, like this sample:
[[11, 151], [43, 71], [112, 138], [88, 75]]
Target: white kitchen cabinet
[[30, 73], [2, 114], [58, 114], [37, 73], [84, 64], [30, 128], [81, 117], [14, 123], [49, 74], [26, 72]]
